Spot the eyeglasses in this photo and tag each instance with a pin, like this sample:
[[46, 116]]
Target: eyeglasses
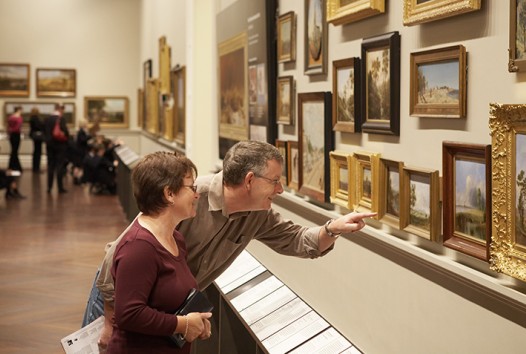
[[274, 182], [193, 188]]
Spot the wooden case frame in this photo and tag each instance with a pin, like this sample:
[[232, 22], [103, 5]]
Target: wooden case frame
[[389, 123], [445, 55], [508, 247], [179, 105], [353, 11], [415, 13], [453, 219], [293, 166], [363, 194], [316, 119], [284, 114], [431, 178], [14, 80], [286, 34], [315, 38], [387, 214], [339, 162], [339, 106], [56, 82], [98, 103]]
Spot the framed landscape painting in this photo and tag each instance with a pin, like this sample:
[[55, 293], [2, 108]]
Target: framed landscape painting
[[420, 203], [381, 84], [316, 43], [45, 109], [287, 37], [467, 198], [56, 82], [293, 165], [517, 49], [345, 11], [363, 188], [421, 11], [315, 138], [14, 80], [508, 150], [282, 147], [285, 100], [108, 111], [438, 83], [346, 95], [389, 189], [340, 177]]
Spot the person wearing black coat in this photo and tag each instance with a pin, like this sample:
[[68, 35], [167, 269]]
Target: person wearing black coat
[[56, 150], [36, 132]]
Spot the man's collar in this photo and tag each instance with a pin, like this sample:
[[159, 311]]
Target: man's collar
[[216, 197]]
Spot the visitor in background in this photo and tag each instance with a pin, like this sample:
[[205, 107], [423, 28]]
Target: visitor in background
[[14, 129], [36, 133], [56, 150]]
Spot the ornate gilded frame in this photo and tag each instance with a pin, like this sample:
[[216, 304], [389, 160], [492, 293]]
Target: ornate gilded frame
[[101, 109], [340, 177], [389, 197], [415, 13], [14, 80], [353, 11], [363, 192], [508, 248], [56, 82]]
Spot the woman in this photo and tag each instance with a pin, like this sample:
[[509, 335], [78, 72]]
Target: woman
[[14, 126], [36, 132], [152, 278]]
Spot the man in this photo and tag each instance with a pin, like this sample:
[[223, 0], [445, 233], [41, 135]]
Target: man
[[56, 149], [235, 207]]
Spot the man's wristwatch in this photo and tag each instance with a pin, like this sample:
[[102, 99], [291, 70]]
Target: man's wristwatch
[[329, 232]]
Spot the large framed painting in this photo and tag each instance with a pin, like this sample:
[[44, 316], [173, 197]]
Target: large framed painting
[[381, 84], [421, 11], [56, 82], [287, 37], [420, 202], [233, 80], [508, 160], [315, 137], [43, 109], [285, 100], [389, 189], [346, 95], [363, 189], [466, 184], [108, 111], [179, 106], [14, 80], [340, 177], [340, 12], [282, 147], [316, 38], [293, 165], [517, 49], [438, 83]]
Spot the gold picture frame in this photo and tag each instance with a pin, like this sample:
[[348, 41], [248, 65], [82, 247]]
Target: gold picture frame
[[179, 106], [340, 177], [438, 86], [363, 190], [507, 124], [56, 82], [293, 165], [351, 11], [285, 100], [14, 80], [417, 11], [420, 202], [108, 111], [287, 37], [390, 187], [152, 106]]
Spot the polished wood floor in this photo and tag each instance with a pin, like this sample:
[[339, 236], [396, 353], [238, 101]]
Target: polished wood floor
[[50, 248]]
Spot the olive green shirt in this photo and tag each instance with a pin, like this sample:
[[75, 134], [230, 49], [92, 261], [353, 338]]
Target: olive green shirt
[[214, 240]]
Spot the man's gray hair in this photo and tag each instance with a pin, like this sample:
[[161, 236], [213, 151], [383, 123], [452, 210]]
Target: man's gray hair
[[246, 156]]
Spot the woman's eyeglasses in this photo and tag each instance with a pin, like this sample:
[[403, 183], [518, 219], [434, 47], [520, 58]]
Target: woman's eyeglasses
[[193, 188]]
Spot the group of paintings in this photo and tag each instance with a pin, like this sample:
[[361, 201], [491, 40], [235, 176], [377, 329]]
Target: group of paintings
[[161, 100], [409, 198]]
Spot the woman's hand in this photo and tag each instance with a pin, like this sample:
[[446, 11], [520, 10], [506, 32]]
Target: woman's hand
[[198, 326]]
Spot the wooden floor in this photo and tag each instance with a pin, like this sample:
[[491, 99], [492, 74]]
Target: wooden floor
[[50, 248]]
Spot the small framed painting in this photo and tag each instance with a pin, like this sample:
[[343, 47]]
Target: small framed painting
[[421, 11], [14, 80], [363, 189], [108, 111], [467, 198], [56, 82], [420, 203], [282, 147], [389, 187], [178, 83], [287, 37], [293, 165], [285, 100], [316, 38], [340, 12], [340, 177], [438, 83], [346, 95]]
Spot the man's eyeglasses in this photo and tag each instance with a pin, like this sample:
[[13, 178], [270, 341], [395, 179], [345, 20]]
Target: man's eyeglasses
[[274, 182], [193, 188]]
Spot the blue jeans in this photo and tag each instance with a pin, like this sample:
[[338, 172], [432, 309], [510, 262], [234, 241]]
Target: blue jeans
[[95, 305]]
